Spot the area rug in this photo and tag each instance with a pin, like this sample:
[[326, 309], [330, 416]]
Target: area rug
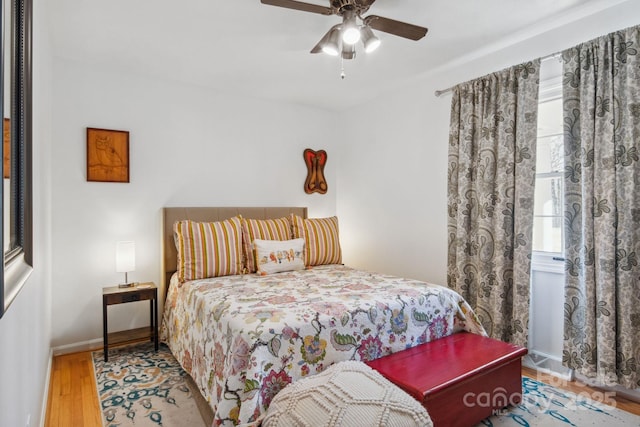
[[547, 406], [141, 387]]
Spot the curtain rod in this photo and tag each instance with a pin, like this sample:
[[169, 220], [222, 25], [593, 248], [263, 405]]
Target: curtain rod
[[544, 58]]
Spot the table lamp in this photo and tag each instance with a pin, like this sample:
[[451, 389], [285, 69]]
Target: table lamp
[[125, 260]]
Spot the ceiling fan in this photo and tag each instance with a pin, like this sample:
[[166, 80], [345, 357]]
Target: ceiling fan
[[341, 38]]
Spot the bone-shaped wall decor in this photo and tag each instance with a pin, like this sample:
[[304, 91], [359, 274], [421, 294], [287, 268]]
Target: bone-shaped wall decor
[[315, 161]]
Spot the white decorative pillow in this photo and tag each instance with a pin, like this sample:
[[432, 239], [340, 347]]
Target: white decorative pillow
[[264, 229], [274, 256]]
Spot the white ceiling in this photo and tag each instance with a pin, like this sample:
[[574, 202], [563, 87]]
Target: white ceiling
[[243, 46]]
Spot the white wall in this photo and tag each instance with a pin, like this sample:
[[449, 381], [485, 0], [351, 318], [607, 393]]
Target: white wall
[[392, 177], [25, 329], [189, 147], [392, 201]]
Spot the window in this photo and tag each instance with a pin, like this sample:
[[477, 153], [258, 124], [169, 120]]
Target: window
[[548, 215], [548, 211]]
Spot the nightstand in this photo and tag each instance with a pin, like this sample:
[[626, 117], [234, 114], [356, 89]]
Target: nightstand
[[117, 295]]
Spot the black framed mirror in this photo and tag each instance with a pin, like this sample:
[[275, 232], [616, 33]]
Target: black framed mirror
[[16, 96]]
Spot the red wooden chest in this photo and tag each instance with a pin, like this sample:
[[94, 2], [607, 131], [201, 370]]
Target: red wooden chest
[[460, 379]]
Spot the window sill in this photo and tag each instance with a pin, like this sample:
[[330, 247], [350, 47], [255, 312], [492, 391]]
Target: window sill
[[548, 262]]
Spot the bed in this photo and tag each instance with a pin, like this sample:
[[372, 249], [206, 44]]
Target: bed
[[244, 337]]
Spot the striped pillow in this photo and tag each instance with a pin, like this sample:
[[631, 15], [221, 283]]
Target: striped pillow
[[208, 249], [321, 238], [263, 229]]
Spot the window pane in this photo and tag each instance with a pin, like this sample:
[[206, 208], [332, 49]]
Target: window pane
[[548, 198], [548, 215], [547, 234], [549, 155], [550, 117]]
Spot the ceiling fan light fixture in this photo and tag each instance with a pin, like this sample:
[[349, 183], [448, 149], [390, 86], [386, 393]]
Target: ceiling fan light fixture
[[353, 26], [370, 41], [350, 30], [331, 45]]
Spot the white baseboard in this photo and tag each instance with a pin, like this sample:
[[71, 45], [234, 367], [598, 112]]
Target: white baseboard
[[77, 347], [45, 392], [545, 355]]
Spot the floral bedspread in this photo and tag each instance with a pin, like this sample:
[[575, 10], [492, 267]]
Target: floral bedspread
[[244, 338]]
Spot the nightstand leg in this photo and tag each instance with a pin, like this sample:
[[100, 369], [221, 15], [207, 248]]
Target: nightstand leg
[[105, 339], [155, 322], [151, 320]]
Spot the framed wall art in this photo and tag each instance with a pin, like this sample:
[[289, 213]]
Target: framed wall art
[[107, 155]]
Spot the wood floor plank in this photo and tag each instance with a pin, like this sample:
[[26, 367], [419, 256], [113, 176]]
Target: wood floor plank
[[52, 410], [92, 417], [65, 377], [73, 394]]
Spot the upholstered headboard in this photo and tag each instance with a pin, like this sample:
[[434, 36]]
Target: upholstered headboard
[[204, 214]]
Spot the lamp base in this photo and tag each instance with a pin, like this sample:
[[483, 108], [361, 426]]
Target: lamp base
[[127, 285]]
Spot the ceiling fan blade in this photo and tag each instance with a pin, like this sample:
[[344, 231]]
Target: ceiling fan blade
[[298, 5], [397, 28]]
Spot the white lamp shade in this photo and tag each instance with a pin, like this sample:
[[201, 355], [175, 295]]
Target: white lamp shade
[[351, 35], [331, 44], [370, 41], [125, 256], [350, 30]]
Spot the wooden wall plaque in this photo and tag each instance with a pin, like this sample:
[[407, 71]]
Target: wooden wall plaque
[[107, 155], [315, 161]]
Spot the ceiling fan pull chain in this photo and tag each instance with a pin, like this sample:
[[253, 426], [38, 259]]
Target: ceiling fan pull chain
[[342, 74]]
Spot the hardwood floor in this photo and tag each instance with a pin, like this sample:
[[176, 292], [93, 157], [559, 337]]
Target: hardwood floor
[[73, 397]]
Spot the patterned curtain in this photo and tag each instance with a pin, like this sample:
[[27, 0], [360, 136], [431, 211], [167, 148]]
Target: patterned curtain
[[601, 92], [492, 146]]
